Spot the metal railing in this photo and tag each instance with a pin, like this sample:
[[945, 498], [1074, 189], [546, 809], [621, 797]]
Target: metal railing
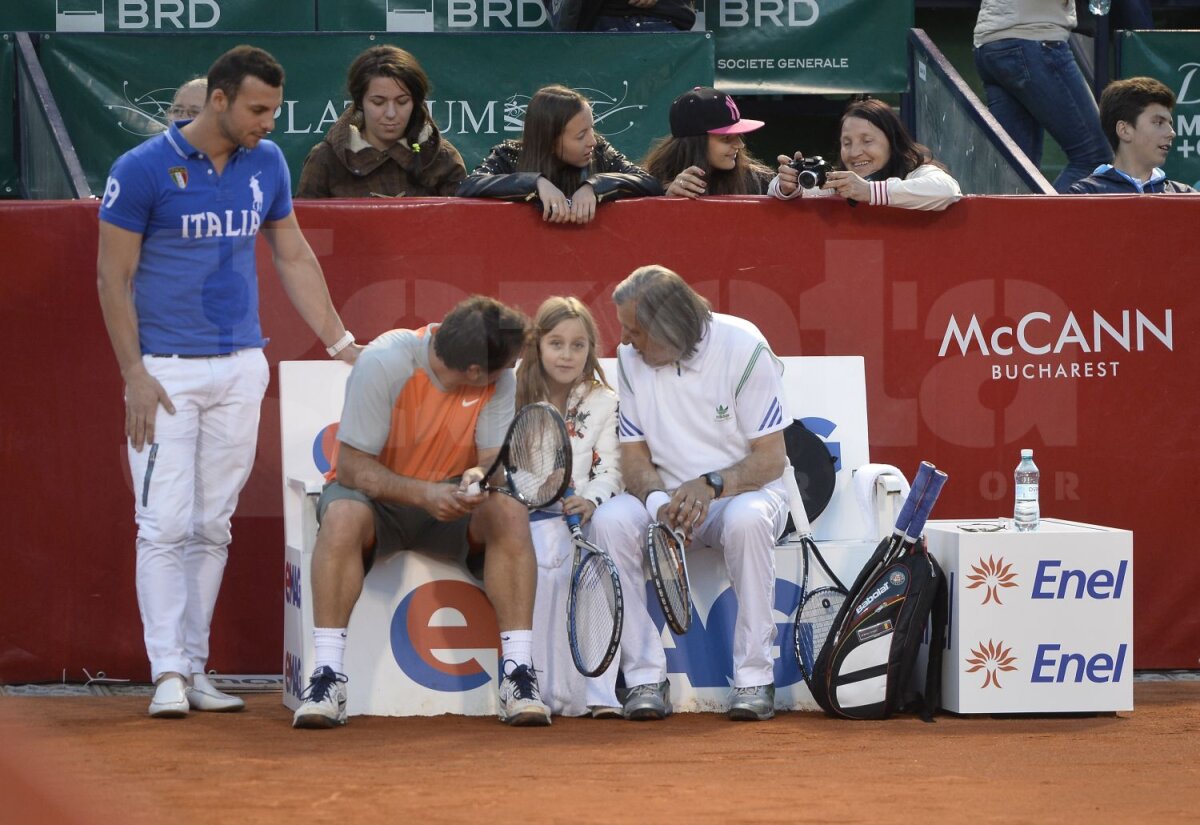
[[49, 167], [944, 114]]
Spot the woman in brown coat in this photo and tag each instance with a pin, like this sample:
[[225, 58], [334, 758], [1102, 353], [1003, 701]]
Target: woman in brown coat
[[385, 144]]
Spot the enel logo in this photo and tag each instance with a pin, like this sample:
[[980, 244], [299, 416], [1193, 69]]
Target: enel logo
[[438, 629], [322, 448]]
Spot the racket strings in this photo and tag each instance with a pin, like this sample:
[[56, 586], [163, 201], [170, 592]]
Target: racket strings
[[537, 455], [814, 624], [596, 604], [669, 562]]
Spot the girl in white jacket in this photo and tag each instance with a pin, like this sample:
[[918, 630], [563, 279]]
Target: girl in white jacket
[[881, 165], [560, 365]]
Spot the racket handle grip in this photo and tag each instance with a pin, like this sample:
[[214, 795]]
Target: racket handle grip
[[473, 489], [936, 483], [914, 496], [572, 519]]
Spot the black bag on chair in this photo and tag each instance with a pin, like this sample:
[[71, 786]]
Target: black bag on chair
[[815, 469]]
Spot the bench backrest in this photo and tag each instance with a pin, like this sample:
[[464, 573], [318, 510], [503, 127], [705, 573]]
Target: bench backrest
[[828, 393]]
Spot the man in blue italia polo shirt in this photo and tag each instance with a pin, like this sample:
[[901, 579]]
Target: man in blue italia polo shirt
[[179, 294], [701, 426]]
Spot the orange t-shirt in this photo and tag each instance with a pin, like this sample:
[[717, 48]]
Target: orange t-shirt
[[431, 432]]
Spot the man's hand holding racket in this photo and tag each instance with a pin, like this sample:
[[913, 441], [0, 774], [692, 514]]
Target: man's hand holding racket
[[688, 507], [446, 501]]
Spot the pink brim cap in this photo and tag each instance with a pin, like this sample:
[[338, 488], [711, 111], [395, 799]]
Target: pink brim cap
[[741, 127]]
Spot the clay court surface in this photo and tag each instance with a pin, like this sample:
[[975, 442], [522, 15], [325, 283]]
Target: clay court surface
[[100, 759]]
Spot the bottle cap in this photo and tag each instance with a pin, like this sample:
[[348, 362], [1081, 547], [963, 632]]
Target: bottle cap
[[1026, 453]]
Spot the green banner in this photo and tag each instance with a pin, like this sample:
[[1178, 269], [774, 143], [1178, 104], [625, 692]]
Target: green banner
[[114, 90], [432, 15], [1174, 58], [810, 46], [158, 15], [8, 81], [762, 46]]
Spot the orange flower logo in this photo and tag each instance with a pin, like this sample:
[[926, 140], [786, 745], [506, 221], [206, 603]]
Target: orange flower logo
[[992, 657], [992, 575]]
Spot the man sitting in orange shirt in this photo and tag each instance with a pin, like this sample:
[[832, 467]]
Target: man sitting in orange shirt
[[426, 411]]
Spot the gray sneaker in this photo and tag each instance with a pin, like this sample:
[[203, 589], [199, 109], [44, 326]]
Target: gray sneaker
[[648, 702], [752, 704]]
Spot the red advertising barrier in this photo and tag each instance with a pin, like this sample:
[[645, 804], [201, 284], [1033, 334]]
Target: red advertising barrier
[[1055, 323]]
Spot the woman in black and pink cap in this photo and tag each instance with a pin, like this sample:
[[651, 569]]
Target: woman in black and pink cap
[[705, 153]]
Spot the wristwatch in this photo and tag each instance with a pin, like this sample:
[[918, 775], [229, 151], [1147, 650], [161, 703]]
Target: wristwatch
[[715, 481]]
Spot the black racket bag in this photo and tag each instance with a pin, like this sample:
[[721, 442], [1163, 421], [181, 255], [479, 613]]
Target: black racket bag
[[867, 669]]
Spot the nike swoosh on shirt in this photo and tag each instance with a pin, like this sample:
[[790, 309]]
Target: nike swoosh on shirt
[[467, 403]]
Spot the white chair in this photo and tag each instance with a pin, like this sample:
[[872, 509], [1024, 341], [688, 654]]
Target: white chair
[[423, 638]]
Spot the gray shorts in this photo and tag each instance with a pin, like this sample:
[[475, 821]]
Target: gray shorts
[[399, 527]]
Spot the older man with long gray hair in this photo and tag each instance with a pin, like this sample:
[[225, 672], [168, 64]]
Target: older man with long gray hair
[[701, 425]]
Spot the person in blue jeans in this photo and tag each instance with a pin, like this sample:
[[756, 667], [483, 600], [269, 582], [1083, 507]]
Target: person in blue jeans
[[1033, 84]]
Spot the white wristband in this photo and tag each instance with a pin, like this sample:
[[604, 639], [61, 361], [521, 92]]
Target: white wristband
[[346, 340], [655, 501]]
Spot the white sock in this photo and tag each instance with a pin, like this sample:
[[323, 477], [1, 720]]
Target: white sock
[[331, 648], [517, 646]]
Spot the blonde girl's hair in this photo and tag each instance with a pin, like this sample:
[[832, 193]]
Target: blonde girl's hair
[[531, 378]]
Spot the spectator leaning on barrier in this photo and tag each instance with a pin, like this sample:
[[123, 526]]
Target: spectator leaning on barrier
[[560, 161], [705, 153], [1136, 114], [426, 411], [1033, 82], [179, 292], [385, 144], [188, 101], [883, 165], [701, 427]]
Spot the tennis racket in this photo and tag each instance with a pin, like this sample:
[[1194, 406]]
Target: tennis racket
[[920, 514], [822, 594], [595, 607], [891, 546], [668, 569], [535, 461]]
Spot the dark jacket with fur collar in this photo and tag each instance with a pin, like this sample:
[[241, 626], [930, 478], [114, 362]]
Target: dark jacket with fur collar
[[344, 165], [611, 175]]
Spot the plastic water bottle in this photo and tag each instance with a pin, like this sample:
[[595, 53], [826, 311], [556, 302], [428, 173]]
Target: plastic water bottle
[[1099, 7], [1026, 512]]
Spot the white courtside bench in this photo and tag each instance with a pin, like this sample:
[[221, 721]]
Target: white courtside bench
[[423, 637]]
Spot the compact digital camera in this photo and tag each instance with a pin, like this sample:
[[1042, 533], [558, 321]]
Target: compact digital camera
[[813, 171]]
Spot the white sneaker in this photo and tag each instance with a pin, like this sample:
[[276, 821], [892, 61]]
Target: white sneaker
[[521, 702], [203, 695], [324, 700], [170, 698]]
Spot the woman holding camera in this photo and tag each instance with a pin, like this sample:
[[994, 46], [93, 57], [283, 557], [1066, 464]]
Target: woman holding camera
[[705, 153], [560, 161], [882, 165]]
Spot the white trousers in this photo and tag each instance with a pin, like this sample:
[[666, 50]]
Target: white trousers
[[186, 485], [563, 687], [744, 528]]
